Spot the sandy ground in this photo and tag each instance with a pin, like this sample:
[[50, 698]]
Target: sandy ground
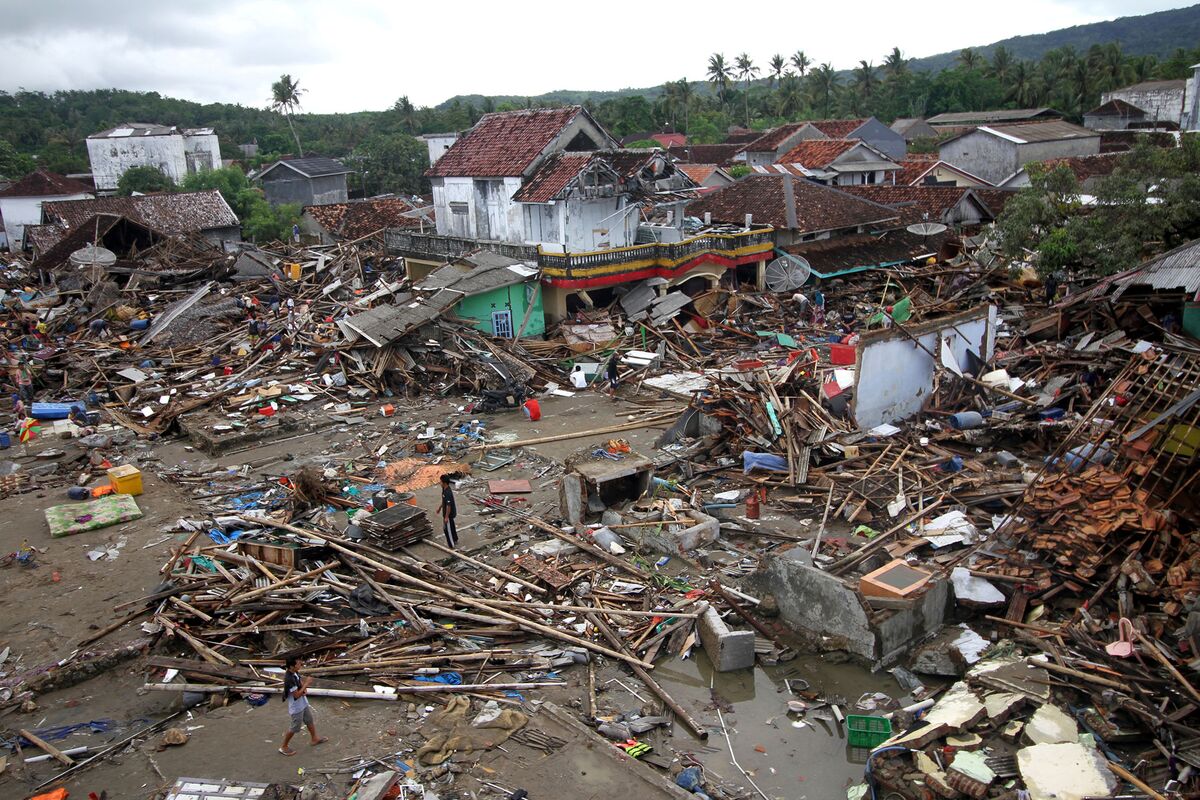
[[43, 619]]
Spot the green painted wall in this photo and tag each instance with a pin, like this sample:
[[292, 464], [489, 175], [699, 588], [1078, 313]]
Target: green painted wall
[[511, 298]]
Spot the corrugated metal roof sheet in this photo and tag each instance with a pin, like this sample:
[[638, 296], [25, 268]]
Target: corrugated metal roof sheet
[[1175, 269]]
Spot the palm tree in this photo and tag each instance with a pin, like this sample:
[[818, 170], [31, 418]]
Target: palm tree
[[789, 100], [1110, 66], [684, 95], [1002, 64], [1081, 86], [777, 65], [285, 98], [1022, 85], [895, 65], [407, 113], [746, 71], [969, 58], [825, 84], [719, 75], [865, 81], [801, 62], [1143, 69]]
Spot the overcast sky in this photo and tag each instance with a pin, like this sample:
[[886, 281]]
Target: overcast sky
[[363, 54]]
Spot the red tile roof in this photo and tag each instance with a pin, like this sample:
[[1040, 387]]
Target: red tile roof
[[915, 165], [1085, 167], [183, 212], [837, 128], [554, 174], [741, 136], [771, 140], [789, 202], [364, 217], [706, 153], [817, 153], [41, 183], [1116, 108], [670, 139], [698, 172], [915, 203], [503, 144], [995, 199]]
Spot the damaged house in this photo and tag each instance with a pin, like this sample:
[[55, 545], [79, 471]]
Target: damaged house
[[835, 162], [550, 187]]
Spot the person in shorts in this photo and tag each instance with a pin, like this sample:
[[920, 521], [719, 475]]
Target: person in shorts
[[295, 694]]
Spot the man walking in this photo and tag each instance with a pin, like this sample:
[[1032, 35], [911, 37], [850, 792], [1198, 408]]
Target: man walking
[[449, 510], [295, 693], [610, 372]]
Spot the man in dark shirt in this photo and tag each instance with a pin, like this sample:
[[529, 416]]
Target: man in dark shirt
[[449, 510], [610, 372]]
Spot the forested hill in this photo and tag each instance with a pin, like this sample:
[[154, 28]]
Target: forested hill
[[1157, 34]]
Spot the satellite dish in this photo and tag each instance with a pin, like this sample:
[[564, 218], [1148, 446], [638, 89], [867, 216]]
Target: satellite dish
[[926, 228], [787, 273], [93, 256]]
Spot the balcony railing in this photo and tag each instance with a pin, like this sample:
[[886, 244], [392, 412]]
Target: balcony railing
[[430, 245], [568, 266], [565, 266]]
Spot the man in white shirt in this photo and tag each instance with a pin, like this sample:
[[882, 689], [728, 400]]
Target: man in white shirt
[[295, 693]]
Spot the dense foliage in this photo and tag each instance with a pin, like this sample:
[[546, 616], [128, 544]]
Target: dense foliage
[[260, 222], [1150, 203], [144, 180]]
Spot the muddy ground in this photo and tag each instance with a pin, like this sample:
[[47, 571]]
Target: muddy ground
[[46, 610]]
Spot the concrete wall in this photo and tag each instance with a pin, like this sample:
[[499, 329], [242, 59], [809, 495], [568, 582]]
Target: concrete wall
[[438, 144], [329, 189], [813, 602], [1040, 151], [514, 299], [282, 185], [1159, 104], [894, 376], [21, 211], [982, 154], [485, 208], [176, 155], [598, 224]]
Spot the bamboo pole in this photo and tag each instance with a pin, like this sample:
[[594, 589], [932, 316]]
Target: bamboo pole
[[499, 573], [430, 688], [479, 605], [562, 437]]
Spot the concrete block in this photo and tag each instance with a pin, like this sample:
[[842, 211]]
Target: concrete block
[[570, 498], [727, 649]]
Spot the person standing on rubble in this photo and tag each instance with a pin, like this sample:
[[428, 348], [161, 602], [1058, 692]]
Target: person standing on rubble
[[449, 510], [610, 372], [295, 694]]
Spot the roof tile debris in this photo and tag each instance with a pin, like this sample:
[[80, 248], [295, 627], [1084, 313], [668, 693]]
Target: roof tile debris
[[552, 177], [504, 144], [1086, 167], [773, 138], [790, 202], [43, 183], [698, 172], [1115, 108], [183, 212], [363, 217]]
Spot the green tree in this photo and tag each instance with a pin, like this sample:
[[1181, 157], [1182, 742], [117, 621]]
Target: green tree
[[271, 224], [144, 180], [13, 165], [739, 171], [746, 71], [394, 163], [801, 62], [285, 99], [825, 85], [969, 58], [789, 100], [719, 75], [865, 82], [895, 65], [1002, 64], [775, 68]]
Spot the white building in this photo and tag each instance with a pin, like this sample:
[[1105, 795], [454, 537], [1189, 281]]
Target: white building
[[438, 144], [21, 203], [177, 152], [475, 181]]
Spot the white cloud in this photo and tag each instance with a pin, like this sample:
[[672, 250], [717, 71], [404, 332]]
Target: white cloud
[[363, 54]]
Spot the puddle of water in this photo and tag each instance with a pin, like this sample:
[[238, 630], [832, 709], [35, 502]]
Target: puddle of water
[[814, 761]]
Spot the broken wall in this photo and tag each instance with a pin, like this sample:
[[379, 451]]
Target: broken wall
[[895, 375]]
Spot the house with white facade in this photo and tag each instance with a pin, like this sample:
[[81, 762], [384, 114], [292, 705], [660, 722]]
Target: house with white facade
[[1161, 101], [835, 162], [21, 203], [475, 180], [178, 152]]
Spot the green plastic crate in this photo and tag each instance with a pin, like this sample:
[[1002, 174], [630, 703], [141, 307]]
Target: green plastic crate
[[867, 731]]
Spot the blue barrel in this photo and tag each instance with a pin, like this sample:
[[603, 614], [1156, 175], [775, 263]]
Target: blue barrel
[[5, 440], [139, 324]]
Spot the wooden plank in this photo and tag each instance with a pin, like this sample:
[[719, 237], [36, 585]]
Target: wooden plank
[[509, 487], [49, 748]]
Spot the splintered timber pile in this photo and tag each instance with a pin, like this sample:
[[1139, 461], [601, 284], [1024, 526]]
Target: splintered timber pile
[[352, 611]]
